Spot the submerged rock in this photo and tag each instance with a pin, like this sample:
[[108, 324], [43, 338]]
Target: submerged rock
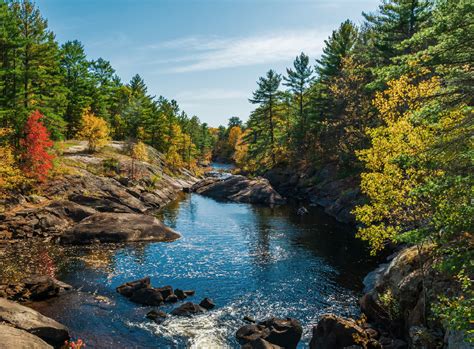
[[30, 320], [239, 189], [188, 309], [277, 332], [119, 227]]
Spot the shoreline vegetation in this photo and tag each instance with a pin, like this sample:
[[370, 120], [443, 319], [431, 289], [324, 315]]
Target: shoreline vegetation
[[378, 131]]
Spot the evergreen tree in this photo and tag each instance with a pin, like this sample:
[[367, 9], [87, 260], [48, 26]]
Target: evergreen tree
[[264, 118], [394, 22], [339, 45], [298, 81], [78, 82], [37, 63]]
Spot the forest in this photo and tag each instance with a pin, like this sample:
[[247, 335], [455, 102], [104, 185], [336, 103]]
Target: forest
[[389, 101]]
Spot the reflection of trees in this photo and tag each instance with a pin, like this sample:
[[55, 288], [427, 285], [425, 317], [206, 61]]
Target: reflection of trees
[[27, 258], [261, 249], [169, 213], [99, 257]]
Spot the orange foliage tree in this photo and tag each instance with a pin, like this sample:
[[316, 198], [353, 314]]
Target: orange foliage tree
[[35, 158]]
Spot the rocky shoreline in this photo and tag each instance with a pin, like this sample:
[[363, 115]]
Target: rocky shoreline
[[86, 207]]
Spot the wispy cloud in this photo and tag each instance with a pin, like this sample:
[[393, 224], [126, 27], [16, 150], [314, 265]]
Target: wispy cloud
[[211, 53]]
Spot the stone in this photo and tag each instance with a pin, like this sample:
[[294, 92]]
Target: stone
[[336, 332], [189, 293], [207, 303], [260, 343], [157, 315], [249, 319], [180, 294], [188, 309], [239, 189], [250, 333], [147, 296], [165, 291], [14, 338], [128, 288], [27, 319], [279, 332], [119, 227], [283, 332], [172, 298]]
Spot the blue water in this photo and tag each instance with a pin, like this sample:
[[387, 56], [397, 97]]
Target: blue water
[[251, 260]]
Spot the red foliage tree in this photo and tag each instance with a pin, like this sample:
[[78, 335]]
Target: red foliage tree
[[36, 161]]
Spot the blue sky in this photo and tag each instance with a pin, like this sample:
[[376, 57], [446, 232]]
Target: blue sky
[[205, 54]]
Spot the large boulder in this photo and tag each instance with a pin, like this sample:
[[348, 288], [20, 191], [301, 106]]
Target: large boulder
[[14, 338], [239, 189], [279, 332], [188, 309], [30, 320], [334, 332], [128, 288], [119, 227], [147, 296]]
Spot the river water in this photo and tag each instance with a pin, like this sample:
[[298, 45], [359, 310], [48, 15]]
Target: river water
[[251, 260]]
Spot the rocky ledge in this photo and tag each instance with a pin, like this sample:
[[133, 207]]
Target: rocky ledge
[[94, 203], [337, 193], [23, 327], [239, 188]]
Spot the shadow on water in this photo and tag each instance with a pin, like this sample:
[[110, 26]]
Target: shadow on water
[[251, 260]]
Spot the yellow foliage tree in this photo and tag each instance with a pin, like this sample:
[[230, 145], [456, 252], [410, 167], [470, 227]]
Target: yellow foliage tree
[[10, 174], [390, 177], [234, 136], [94, 130], [139, 152], [175, 141]]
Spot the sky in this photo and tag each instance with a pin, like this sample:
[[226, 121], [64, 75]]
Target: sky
[[207, 54]]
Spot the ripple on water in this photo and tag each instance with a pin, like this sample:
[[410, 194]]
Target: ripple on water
[[252, 261]]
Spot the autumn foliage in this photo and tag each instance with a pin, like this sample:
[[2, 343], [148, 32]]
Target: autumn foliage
[[36, 161], [94, 130]]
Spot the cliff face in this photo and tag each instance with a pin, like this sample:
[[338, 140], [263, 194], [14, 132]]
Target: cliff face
[[325, 187], [399, 295], [92, 187]]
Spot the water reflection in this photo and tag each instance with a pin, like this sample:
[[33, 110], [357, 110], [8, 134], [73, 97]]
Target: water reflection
[[251, 260]]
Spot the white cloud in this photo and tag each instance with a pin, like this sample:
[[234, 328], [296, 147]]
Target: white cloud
[[211, 53]]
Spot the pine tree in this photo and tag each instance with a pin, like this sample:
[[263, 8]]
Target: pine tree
[[394, 22], [77, 79], [337, 46], [264, 118], [298, 81], [37, 63]]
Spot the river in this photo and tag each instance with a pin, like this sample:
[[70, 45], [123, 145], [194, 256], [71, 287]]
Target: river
[[251, 260]]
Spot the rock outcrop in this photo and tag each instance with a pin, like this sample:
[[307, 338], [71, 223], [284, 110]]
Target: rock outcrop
[[271, 333], [334, 332], [338, 194], [118, 227], [31, 321], [89, 191], [14, 338], [239, 189]]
